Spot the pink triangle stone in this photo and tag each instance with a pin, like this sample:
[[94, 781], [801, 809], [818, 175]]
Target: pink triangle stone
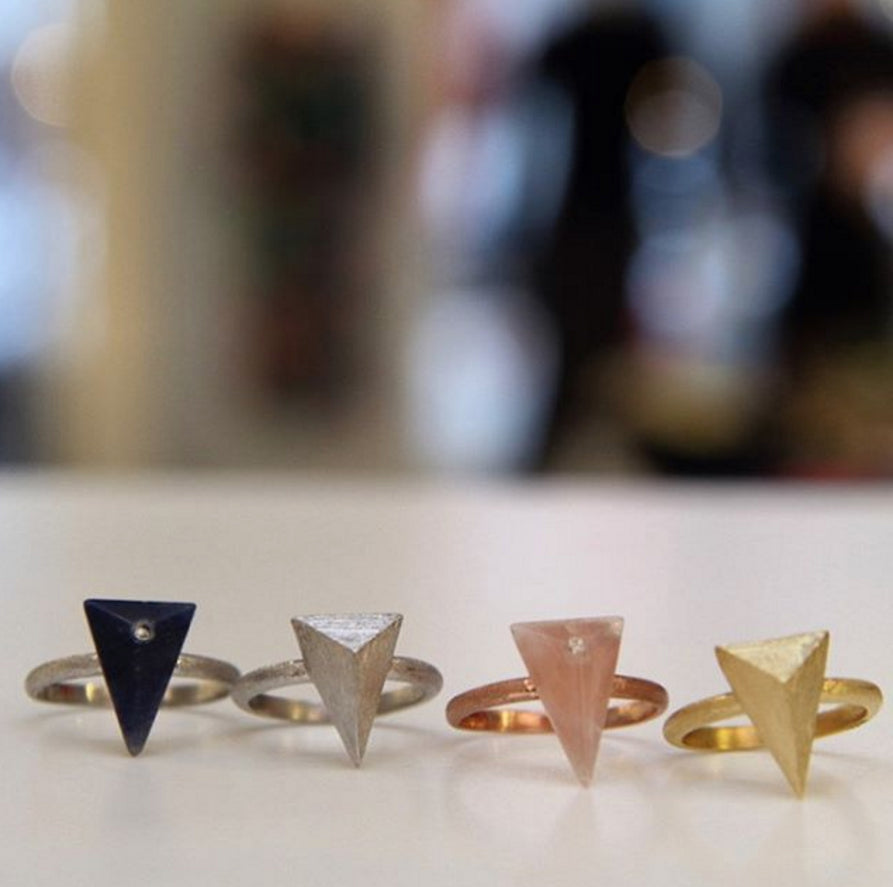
[[572, 663]]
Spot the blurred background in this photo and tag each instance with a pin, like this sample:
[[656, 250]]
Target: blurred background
[[449, 236]]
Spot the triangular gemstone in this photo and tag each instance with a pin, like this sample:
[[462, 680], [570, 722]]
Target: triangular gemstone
[[348, 658], [572, 663], [138, 644], [779, 685]]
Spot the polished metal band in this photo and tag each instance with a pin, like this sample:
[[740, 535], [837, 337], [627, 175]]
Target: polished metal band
[[478, 709], [854, 702], [251, 692], [208, 679]]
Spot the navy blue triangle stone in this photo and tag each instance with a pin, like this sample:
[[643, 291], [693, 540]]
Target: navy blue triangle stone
[[138, 644]]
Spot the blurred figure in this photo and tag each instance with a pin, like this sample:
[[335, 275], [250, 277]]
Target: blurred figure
[[582, 270], [39, 216], [830, 105], [705, 286], [493, 165], [305, 134], [830, 100]]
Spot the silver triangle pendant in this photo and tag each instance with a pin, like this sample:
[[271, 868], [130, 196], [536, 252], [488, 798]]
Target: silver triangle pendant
[[348, 658]]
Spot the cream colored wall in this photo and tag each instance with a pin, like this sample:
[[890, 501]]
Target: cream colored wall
[[155, 380]]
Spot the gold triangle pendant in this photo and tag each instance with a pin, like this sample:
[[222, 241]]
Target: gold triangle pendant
[[779, 685]]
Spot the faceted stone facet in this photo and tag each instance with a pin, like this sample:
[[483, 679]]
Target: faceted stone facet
[[138, 644], [572, 664], [348, 658], [779, 685]]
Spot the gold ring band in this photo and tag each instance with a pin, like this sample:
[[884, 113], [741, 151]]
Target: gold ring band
[[854, 702], [479, 709]]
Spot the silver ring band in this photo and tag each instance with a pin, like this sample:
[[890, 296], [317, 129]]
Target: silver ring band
[[54, 681], [251, 691]]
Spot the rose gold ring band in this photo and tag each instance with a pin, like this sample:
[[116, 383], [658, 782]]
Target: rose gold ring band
[[479, 709]]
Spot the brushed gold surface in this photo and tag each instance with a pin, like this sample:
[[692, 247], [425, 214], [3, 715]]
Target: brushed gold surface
[[854, 703], [779, 683]]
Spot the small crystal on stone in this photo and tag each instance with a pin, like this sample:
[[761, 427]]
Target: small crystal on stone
[[143, 631], [576, 645]]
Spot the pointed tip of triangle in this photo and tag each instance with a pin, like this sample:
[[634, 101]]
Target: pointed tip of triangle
[[355, 753], [798, 784], [354, 738], [135, 744], [585, 774]]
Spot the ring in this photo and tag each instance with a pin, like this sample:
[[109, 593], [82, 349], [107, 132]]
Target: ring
[[479, 709], [54, 681], [571, 665], [347, 658], [138, 646], [778, 684]]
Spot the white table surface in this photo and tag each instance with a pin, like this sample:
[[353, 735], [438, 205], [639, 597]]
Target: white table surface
[[221, 798]]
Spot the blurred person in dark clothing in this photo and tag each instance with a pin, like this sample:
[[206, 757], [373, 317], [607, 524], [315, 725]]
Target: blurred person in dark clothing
[[829, 96], [582, 269], [830, 102]]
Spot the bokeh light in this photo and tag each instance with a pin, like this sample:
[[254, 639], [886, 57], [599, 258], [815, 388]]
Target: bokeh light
[[674, 107], [41, 73]]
